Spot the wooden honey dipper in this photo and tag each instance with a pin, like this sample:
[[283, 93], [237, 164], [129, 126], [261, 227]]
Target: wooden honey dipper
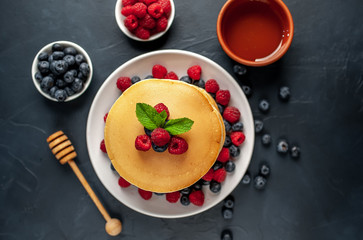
[[64, 151]]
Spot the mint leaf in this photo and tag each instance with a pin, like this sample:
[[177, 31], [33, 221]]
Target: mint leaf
[[163, 115], [148, 116], [178, 126]]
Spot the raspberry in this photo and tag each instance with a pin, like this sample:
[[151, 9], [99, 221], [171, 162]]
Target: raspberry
[[165, 4], [223, 155], [231, 114], [148, 2], [171, 75], [123, 183], [103, 146], [194, 72], [223, 97], [220, 175], [160, 137], [139, 9], [238, 138], [161, 107], [161, 24], [105, 117], [145, 194], [197, 198], [211, 86], [173, 197], [128, 2], [155, 10], [177, 145], [142, 33], [123, 83], [159, 71], [209, 175], [143, 143], [131, 22], [147, 22], [128, 10]]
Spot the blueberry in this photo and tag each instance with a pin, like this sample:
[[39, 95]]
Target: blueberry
[[200, 83], [70, 51], [227, 213], [43, 56], [265, 170], [204, 182], [112, 167], [57, 55], [246, 179], [213, 95], [135, 79], [220, 108], [184, 200], [58, 67], [229, 201], [234, 151], [69, 91], [282, 146], [239, 70], [227, 125], [197, 186], [295, 151], [38, 76], [50, 58], [68, 77], [159, 149], [186, 191], [53, 90], [259, 182], [230, 166], [217, 165], [159, 194], [186, 79], [57, 47], [215, 187], [60, 95], [70, 60], [46, 83], [77, 85], [247, 90], [238, 126], [226, 235], [43, 67], [264, 106], [148, 132], [84, 69], [149, 77], [266, 139], [60, 83], [284, 93], [81, 76], [227, 141], [258, 126], [74, 72], [79, 59]]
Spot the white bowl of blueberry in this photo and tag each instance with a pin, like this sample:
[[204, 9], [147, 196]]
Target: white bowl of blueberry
[[62, 71]]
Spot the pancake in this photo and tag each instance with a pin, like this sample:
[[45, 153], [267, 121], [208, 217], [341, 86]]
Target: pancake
[[164, 172]]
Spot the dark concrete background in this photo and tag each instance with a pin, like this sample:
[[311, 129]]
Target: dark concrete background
[[319, 196]]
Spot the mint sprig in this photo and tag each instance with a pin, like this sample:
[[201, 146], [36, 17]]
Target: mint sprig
[[151, 119], [178, 126]]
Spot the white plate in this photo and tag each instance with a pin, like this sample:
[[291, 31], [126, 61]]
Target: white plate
[[177, 61]]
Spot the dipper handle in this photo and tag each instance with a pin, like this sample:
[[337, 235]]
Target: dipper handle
[[63, 150]]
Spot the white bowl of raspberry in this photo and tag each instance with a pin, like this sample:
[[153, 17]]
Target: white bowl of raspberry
[[62, 71], [144, 21], [177, 62]]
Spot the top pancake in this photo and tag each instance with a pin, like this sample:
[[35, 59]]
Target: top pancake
[[164, 172]]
